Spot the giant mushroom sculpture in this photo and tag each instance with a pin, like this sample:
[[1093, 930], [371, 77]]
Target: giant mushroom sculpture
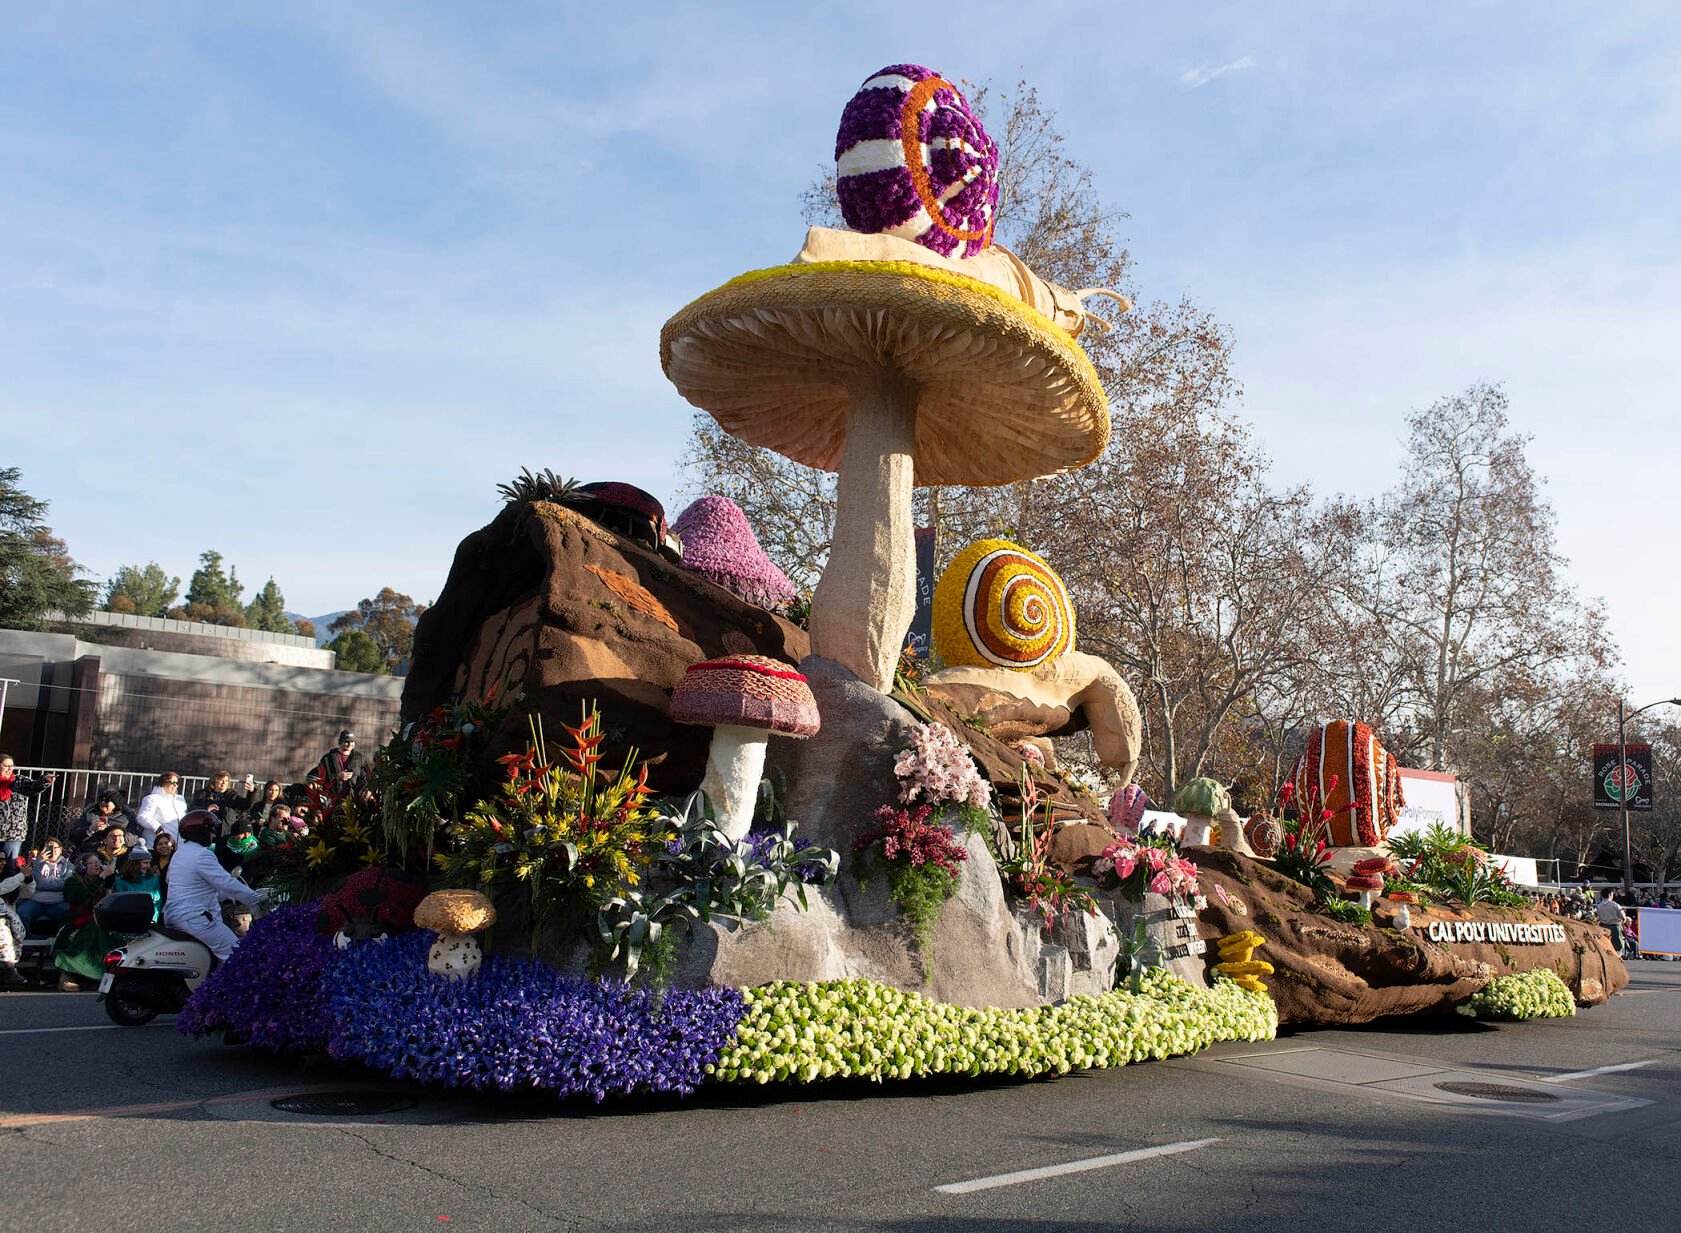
[[892, 373]]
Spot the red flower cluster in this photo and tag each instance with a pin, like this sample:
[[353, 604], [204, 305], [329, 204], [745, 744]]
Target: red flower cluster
[[908, 837]]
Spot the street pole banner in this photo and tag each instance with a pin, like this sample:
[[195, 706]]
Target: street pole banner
[[1633, 782], [920, 640]]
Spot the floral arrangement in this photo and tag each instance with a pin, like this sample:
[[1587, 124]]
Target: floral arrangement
[[1000, 606], [427, 774], [1536, 994], [1135, 865], [886, 178], [517, 1024], [936, 770], [860, 1029], [1304, 855], [1440, 860], [1030, 876], [574, 837], [270, 988], [344, 837], [922, 857]]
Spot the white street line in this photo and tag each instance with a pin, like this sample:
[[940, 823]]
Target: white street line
[[1600, 1070], [92, 1027], [1073, 1166]]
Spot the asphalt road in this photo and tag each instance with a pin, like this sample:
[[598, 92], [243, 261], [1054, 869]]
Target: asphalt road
[[108, 1128]]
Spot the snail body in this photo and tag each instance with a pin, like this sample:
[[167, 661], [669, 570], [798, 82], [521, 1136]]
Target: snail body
[[1000, 606], [912, 160]]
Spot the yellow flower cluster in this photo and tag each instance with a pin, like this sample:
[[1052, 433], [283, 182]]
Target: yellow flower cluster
[[1237, 960], [1000, 606]]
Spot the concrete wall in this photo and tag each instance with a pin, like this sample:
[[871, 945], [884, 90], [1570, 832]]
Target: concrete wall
[[83, 704], [196, 638]]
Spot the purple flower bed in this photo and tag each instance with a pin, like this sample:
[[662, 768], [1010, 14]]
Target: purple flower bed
[[270, 987], [518, 1024]]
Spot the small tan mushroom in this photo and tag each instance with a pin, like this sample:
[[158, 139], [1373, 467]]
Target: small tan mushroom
[[455, 915]]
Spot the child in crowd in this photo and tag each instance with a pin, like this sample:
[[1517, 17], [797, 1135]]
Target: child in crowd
[[237, 846], [136, 876]]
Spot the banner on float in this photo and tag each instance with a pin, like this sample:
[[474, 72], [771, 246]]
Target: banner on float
[[1509, 933], [1660, 931]]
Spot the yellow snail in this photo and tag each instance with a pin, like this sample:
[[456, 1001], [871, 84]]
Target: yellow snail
[[1000, 606]]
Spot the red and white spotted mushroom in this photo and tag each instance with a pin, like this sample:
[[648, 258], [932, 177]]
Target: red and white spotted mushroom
[[743, 699]]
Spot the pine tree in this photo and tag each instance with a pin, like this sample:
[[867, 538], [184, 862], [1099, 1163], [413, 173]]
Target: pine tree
[[268, 611], [37, 575], [141, 590], [213, 596]]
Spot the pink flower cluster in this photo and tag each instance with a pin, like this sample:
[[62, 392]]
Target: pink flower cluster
[[907, 836], [937, 768], [1164, 873]]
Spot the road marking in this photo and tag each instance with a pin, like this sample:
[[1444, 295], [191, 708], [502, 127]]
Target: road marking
[[167, 1106], [1073, 1166], [1600, 1070], [91, 1027]]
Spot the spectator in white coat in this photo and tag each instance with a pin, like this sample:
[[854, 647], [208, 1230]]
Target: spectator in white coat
[[163, 809]]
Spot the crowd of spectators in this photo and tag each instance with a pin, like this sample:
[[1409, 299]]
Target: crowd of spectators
[[51, 889]]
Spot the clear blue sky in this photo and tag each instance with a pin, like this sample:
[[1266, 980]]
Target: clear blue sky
[[302, 283]]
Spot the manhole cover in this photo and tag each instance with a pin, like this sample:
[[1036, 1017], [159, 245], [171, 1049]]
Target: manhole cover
[[1498, 1091], [343, 1104]]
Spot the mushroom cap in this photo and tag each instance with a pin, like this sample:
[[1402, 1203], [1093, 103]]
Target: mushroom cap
[[1372, 864], [455, 911], [1005, 393], [719, 545], [746, 691], [1403, 896], [1203, 796], [1364, 881]]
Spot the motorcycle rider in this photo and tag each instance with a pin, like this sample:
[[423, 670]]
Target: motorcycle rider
[[196, 885]]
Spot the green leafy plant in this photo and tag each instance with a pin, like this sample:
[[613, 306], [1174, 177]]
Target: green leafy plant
[[530, 485], [1132, 960], [1304, 856], [1440, 860], [701, 875], [428, 774], [1345, 910]]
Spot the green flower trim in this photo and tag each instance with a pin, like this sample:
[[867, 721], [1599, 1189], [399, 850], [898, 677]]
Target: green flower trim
[[1536, 994], [860, 1029]]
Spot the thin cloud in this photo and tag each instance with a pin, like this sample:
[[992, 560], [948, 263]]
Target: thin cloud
[[1197, 78]]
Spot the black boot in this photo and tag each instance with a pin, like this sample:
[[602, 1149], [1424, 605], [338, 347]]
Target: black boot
[[10, 978]]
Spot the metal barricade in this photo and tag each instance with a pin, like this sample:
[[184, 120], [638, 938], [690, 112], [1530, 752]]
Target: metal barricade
[[52, 812]]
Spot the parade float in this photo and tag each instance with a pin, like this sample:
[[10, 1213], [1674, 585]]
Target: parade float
[[641, 830]]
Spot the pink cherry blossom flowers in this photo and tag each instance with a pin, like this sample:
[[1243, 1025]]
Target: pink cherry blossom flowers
[[937, 769]]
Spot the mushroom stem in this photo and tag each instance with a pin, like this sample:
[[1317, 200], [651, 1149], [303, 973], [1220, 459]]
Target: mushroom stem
[[1195, 834], [734, 765], [866, 598]]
